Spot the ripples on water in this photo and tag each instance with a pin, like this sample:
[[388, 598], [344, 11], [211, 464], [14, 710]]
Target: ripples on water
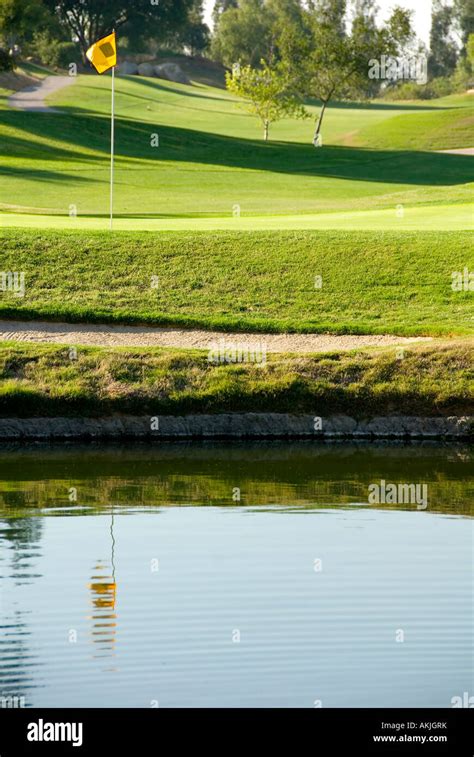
[[137, 577]]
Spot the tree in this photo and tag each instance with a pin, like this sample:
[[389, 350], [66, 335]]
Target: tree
[[470, 51], [89, 20], [364, 27], [248, 31], [443, 49], [19, 19], [465, 69], [244, 34], [463, 28], [332, 65], [331, 13], [220, 6], [6, 61], [195, 35], [463, 13], [266, 93], [364, 32]]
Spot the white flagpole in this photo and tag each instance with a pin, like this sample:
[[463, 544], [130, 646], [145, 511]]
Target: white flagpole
[[112, 147]]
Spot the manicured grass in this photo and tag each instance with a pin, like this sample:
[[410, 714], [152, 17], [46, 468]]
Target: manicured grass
[[372, 282], [211, 157], [435, 130], [43, 381], [455, 217]]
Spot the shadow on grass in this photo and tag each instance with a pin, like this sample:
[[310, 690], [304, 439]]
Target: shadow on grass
[[76, 129], [39, 174], [401, 105], [345, 105], [157, 85]]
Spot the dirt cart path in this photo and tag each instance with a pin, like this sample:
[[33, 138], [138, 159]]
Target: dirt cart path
[[32, 98]]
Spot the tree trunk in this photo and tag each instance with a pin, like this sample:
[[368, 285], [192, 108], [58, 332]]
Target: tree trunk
[[265, 130], [319, 123]]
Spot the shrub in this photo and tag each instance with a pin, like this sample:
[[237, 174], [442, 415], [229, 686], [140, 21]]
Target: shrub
[[409, 90], [439, 87], [442, 86], [54, 52]]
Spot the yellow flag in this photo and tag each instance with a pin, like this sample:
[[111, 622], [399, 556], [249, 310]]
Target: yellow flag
[[103, 54]]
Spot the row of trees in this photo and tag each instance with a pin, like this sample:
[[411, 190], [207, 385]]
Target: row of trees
[[244, 30], [247, 30], [289, 51]]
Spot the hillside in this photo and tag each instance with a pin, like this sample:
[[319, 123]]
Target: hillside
[[438, 130]]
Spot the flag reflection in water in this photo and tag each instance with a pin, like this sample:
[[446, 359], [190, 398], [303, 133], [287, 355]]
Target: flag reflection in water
[[103, 589]]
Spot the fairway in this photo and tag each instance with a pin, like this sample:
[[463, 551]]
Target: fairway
[[189, 153]]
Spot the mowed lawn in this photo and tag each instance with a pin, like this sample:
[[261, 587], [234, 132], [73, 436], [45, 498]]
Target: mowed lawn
[[454, 217], [211, 161], [371, 282]]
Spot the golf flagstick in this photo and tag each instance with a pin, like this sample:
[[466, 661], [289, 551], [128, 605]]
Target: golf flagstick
[[103, 56], [112, 148]]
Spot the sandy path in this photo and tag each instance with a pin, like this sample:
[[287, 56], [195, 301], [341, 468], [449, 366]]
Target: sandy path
[[459, 151], [32, 98], [140, 336]]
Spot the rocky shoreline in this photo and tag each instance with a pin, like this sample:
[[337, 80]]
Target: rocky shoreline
[[238, 426]]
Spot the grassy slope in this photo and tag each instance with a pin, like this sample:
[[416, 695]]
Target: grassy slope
[[373, 282], [211, 156], [42, 380], [438, 130]]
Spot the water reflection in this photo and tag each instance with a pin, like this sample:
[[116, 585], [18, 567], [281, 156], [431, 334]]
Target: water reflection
[[103, 588], [19, 555], [168, 635], [297, 474]]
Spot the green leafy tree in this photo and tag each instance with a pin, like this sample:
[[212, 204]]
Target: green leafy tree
[[364, 32], [195, 34], [244, 34], [266, 94], [332, 65], [463, 29], [470, 50], [20, 19], [331, 13], [248, 31], [463, 12], [284, 12], [463, 77], [54, 51], [6, 61], [220, 6], [443, 49], [89, 20], [364, 26]]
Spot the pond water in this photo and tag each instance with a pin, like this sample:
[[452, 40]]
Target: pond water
[[229, 575]]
